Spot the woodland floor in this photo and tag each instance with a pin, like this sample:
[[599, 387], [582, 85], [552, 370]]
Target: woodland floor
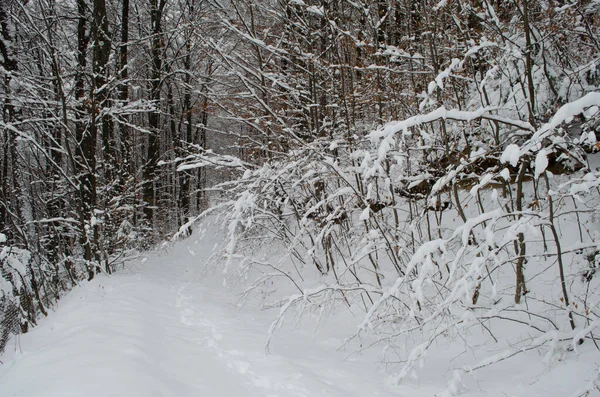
[[166, 327], [163, 329]]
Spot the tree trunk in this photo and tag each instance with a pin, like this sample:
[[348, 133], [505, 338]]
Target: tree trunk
[[156, 10]]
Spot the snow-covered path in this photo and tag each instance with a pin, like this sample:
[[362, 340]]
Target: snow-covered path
[[163, 330], [168, 328]]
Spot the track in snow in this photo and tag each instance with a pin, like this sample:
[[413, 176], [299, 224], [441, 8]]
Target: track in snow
[[160, 331]]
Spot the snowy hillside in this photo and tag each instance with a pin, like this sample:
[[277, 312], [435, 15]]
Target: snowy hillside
[[162, 328], [167, 327]]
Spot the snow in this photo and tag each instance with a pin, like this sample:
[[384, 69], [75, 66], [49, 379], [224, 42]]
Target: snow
[[541, 163], [439, 80], [441, 4], [591, 112], [511, 155], [565, 113], [16, 259], [364, 216], [439, 113], [167, 327], [315, 10]]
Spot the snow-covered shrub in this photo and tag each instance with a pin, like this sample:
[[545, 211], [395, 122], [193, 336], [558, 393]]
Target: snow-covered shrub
[[468, 218], [349, 225], [17, 308]]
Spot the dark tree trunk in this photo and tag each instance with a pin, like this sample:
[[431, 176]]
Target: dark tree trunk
[[123, 90], [156, 10], [85, 151], [100, 99], [10, 65], [184, 179]]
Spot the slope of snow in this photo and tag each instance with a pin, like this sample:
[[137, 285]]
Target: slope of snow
[[164, 329], [167, 327]]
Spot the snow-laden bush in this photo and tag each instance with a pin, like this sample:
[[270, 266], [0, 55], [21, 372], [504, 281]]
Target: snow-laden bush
[[473, 218], [17, 309], [458, 255]]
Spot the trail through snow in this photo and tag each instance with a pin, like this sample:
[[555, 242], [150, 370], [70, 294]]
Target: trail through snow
[[168, 328], [162, 330]]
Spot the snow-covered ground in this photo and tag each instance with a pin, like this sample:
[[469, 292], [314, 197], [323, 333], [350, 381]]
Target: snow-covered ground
[[167, 327], [162, 328]]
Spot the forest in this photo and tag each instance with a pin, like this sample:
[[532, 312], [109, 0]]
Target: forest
[[430, 165]]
